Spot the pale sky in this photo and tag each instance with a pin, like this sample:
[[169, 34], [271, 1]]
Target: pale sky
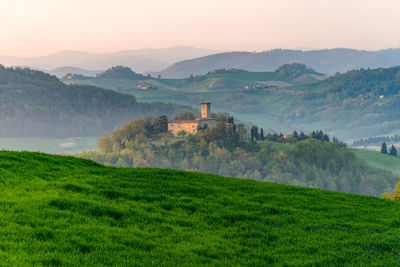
[[40, 27]]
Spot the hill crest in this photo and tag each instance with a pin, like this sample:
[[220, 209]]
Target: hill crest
[[326, 61]]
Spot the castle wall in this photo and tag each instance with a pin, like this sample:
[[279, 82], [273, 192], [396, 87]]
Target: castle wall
[[210, 123], [188, 126]]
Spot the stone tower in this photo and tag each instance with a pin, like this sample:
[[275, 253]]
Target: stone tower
[[205, 110]]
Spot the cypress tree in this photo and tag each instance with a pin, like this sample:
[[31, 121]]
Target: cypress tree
[[313, 135], [302, 136], [256, 136], [384, 148], [393, 151], [295, 135], [262, 134]]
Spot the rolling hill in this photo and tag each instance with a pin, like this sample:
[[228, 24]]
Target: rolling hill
[[218, 79], [327, 61], [65, 211], [314, 160], [379, 160], [33, 103], [62, 71], [356, 104]]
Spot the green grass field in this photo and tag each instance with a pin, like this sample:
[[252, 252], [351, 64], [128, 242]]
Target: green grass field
[[57, 210], [379, 160]]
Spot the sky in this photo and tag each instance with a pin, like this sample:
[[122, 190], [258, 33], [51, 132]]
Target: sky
[[41, 27]]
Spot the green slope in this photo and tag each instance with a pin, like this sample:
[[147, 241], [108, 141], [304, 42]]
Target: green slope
[[66, 211], [379, 160]]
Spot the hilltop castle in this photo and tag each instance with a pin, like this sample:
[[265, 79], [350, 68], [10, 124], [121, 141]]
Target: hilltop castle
[[192, 126]]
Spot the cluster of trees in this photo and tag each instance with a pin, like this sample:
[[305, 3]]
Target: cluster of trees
[[228, 151], [255, 135], [392, 151], [33, 103], [291, 138], [120, 72], [376, 140], [289, 72], [185, 116]]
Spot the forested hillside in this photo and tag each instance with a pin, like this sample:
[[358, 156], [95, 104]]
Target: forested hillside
[[361, 103], [33, 103], [311, 161]]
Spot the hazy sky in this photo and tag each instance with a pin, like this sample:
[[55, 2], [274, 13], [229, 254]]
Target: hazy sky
[[39, 27]]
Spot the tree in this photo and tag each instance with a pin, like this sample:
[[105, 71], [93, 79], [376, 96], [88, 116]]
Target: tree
[[395, 194], [185, 116], [105, 144], [242, 133], [262, 134], [295, 135], [182, 133], [160, 124], [393, 151], [256, 136], [302, 136], [384, 148]]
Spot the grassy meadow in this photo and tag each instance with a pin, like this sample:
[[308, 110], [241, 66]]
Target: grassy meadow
[[377, 159], [59, 210]]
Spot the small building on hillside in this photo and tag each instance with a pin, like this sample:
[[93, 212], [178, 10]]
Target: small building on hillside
[[192, 126]]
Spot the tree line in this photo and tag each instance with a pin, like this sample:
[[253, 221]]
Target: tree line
[[376, 140], [290, 138]]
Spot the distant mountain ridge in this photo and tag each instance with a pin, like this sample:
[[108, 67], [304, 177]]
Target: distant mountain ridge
[[326, 61], [140, 60]]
